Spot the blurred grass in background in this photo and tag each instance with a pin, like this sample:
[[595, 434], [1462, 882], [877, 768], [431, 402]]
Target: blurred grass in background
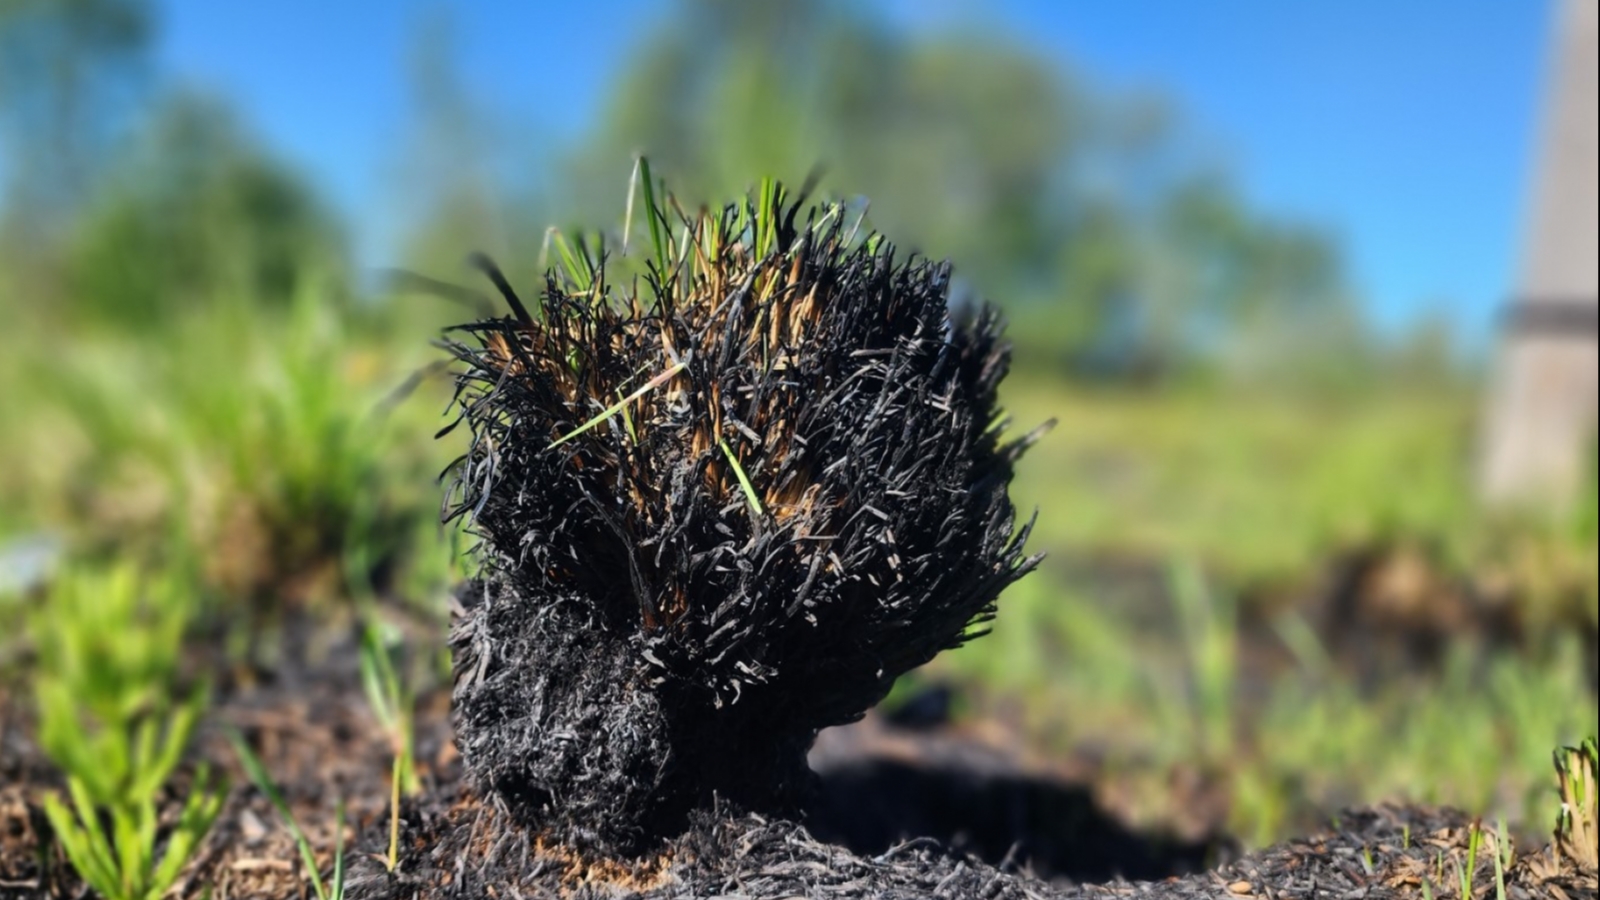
[[1268, 573]]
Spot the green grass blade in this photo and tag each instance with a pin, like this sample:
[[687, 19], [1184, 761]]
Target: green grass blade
[[627, 210], [744, 480], [1501, 861], [1472, 862], [612, 410], [378, 679], [199, 812], [258, 776], [767, 217], [652, 215], [91, 857], [580, 275]]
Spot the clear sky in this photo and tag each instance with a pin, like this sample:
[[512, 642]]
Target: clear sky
[[1404, 128]]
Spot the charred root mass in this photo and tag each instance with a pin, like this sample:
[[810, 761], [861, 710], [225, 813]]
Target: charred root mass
[[725, 495]]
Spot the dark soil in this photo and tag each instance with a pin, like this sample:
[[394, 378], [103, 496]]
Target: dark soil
[[1379, 853], [897, 813]]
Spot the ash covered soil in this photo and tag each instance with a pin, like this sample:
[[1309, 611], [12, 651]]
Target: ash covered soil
[[895, 813]]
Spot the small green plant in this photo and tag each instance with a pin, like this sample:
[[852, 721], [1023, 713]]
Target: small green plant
[[122, 863], [392, 703], [289, 478], [1474, 840], [1502, 860], [108, 654], [1576, 833], [331, 889]]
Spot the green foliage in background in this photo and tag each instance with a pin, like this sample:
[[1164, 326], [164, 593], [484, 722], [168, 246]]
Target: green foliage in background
[[115, 717], [70, 77], [1261, 484], [1087, 213], [1285, 754], [267, 447], [195, 213]]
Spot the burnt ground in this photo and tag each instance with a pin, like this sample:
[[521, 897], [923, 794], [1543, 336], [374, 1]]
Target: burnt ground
[[901, 810]]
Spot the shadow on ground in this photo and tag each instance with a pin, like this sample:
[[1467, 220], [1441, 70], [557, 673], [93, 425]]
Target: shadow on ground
[[881, 784]]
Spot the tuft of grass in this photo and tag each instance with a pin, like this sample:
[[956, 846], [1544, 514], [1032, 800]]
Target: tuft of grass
[[805, 499], [1577, 771], [263, 443], [106, 685]]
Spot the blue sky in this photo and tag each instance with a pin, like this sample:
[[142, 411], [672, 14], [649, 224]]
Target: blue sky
[[1403, 128]]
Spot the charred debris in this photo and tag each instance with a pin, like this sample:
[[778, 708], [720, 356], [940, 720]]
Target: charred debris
[[728, 483]]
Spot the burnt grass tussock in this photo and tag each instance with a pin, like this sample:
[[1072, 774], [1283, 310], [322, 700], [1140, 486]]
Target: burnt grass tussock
[[723, 498]]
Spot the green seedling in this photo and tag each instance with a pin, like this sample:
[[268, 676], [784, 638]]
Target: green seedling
[[659, 240], [393, 704], [1576, 834], [579, 265], [108, 646], [333, 888], [1474, 839], [114, 847], [1210, 624]]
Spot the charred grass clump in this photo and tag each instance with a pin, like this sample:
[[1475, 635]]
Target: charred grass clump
[[724, 495]]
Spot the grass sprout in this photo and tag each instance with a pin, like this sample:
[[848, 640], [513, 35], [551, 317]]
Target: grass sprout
[[1576, 772], [1502, 860], [1474, 841], [329, 889], [392, 702]]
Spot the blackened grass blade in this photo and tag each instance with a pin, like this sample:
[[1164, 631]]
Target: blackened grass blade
[[486, 265]]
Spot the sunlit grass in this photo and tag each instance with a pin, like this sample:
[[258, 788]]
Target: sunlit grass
[[1259, 485], [1475, 736], [115, 718], [263, 443]]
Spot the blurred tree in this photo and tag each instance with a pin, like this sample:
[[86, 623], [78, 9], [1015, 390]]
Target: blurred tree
[[1427, 352], [957, 143], [197, 214], [1084, 213], [70, 71]]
